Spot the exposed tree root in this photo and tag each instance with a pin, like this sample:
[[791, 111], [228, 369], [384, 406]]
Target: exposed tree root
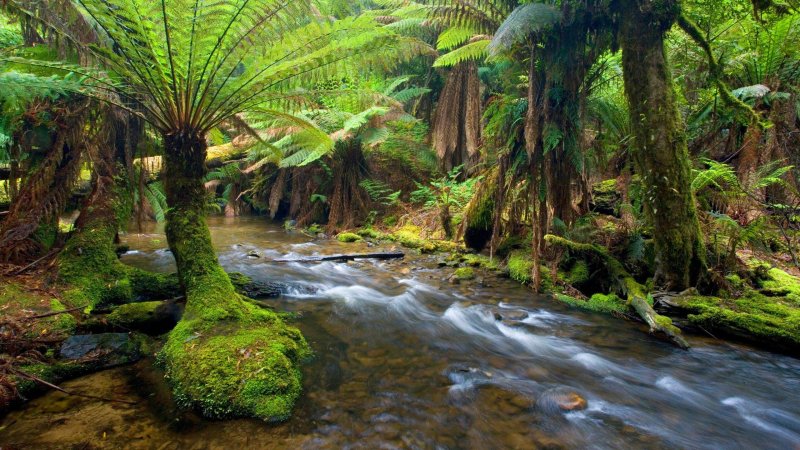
[[627, 286]]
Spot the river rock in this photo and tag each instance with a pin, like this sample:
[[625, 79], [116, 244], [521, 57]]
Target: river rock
[[264, 289], [108, 349], [561, 399], [253, 254]]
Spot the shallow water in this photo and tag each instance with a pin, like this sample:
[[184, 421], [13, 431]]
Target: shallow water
[[407, 360]]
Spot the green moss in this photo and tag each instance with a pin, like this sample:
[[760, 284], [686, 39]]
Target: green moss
[[520, 267], [766, 319], [370, 233], [239, 280], [63, 323], [231, 369], [780, 280], [578, 273], [16, 299], [133, 314], [464, 274], [480, 261], [315, 229], [410, 236], [52, 373], [602, 303], [666, 322], [349, 237]]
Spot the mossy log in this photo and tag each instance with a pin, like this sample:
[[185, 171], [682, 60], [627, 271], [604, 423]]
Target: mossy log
[[628, 287]]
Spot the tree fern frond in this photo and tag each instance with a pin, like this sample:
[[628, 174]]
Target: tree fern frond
[[474, 51]]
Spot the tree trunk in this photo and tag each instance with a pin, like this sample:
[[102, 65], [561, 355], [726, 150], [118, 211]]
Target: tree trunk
[[457, 121], [203, 355], [206, 284], [661, 152]]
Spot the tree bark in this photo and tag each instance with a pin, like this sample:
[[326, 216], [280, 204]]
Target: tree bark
[[661, 152], [205, 282]]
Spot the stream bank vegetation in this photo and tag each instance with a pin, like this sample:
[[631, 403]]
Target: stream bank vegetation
[[636, 158]]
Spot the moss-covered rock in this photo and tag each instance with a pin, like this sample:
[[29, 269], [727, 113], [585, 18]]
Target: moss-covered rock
[[606, 197], [481, 261], [754, 317], [369, 233], [464, 274], [349, 237], [410, 236], [236, 368]]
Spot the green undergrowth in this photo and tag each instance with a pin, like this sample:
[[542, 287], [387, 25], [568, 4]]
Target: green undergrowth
[[408, 236]]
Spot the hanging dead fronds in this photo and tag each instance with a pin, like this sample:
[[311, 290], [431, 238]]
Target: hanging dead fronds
[[457, 121]]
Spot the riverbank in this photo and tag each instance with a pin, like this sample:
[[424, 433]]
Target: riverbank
[[406, 357]]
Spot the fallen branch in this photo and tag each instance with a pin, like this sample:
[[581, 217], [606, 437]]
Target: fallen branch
[[628, 287], [345, 257]]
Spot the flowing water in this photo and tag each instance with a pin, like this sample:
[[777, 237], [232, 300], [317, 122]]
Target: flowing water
[[405, 359]]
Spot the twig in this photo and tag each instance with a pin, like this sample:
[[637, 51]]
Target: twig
[[54, 313], [47, 255]]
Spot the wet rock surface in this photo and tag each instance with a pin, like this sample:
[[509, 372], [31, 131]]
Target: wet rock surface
[[104, 350]]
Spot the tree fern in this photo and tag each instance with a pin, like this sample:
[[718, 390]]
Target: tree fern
[[473, 51]]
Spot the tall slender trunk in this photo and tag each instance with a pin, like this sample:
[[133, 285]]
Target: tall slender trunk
[[661, 152], [206, 284]]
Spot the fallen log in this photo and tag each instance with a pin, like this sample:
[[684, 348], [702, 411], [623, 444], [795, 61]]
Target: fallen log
[[627, 286], [345, 257]]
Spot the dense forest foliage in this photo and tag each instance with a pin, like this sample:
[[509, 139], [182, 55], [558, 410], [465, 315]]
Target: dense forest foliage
[[639, 158]]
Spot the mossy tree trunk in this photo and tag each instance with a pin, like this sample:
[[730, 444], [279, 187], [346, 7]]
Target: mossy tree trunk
[[189, 239], [226, 357], [661, 153]]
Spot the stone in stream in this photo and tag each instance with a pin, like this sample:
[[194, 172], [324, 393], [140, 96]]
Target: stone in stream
[[253, 254], [561, 399], [110, 349]]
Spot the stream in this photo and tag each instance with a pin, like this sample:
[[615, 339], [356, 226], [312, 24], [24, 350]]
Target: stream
[[405, 359]]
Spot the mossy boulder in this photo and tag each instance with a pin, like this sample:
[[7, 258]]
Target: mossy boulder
[[606, 198], [463, 274], [349, 237], [242, 367]]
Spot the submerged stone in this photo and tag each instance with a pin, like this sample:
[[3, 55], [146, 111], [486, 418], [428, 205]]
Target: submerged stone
[[109, 349], [561, 399]]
